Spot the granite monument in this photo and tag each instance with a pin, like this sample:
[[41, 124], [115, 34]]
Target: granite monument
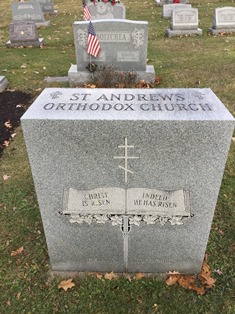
[[123, 44], [127, 179], [28, 11], [224, 21], [102, 10], [24, 34], [184, 22]]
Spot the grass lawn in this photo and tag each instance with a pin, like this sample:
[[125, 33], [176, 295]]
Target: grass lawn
[[25, 282]]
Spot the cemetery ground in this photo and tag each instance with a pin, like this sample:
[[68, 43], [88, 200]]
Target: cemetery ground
[[26, 285]]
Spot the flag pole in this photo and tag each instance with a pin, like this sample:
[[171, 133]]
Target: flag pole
[[92, 74]]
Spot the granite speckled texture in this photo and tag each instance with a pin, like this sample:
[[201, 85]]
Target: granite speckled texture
[[181, 138]]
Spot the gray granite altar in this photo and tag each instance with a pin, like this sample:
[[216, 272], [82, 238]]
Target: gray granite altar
[[28, 11], [47, 6], [3, 83], [224, 21], [24, 34], [168, 8], [102, 10], [184, 21], [127, 179], [123, 43]]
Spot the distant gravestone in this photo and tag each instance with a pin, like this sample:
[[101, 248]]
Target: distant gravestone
[[168, 8], [138, 178], [102, 10], [3, 83], [184, 22], [224, 21], [28, 11], [47, 6], [162, 2], [24, 34], [123, 44]]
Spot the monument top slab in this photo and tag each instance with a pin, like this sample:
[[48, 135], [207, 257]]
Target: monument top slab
[[197, 104]]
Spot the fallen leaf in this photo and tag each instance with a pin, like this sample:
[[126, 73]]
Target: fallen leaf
[[233, 139], [66, 284], [221, 232], [128, 277], [13, 135], [218, 271], [110, 276], [18, 295], [139, 276], [172, 280], [18, 251], [6, 143], [5, 177], [8, 124], [8, 303], [2, 205], [99, 276]]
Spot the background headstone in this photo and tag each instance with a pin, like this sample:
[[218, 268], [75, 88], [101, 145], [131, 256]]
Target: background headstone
[[24, 34], [139, 176], [168, 8], [3, 83], [184, 21], [123, 44], [162, 2], [102, 10], [47, 6], [28, 11], [224, 21]]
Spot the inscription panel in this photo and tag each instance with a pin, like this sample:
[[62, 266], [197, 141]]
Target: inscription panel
[[183, 19], [23, 31], [27, 11], [225, 17]]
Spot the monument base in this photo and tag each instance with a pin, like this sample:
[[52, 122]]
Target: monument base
[[190, 32], [77, 77], [3, 83], [42, 24], [221, 31], [54, 12], [37, 43]]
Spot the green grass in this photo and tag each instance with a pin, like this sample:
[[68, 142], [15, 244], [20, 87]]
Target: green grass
[[25, 282]]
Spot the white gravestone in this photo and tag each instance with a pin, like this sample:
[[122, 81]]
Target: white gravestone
[[224, 21], [184, 22], [168, 8], [127, 179]]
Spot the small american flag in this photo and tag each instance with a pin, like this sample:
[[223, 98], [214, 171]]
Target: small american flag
[[86, 12], [93, 45]]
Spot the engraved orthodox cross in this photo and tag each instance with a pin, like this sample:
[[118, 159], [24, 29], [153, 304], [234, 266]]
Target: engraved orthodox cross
[[125, 157]]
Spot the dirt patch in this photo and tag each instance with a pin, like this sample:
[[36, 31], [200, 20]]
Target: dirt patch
[[12, 106]]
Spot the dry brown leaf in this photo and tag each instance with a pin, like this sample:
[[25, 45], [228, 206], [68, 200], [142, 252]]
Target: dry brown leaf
[[66, 284], [18, 251], [8, 124], [5, 177], [8, 303], [139, 276], [6, 143], [99, 276], [111, 276], [2, 205], [171, 280], [18, 295]]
